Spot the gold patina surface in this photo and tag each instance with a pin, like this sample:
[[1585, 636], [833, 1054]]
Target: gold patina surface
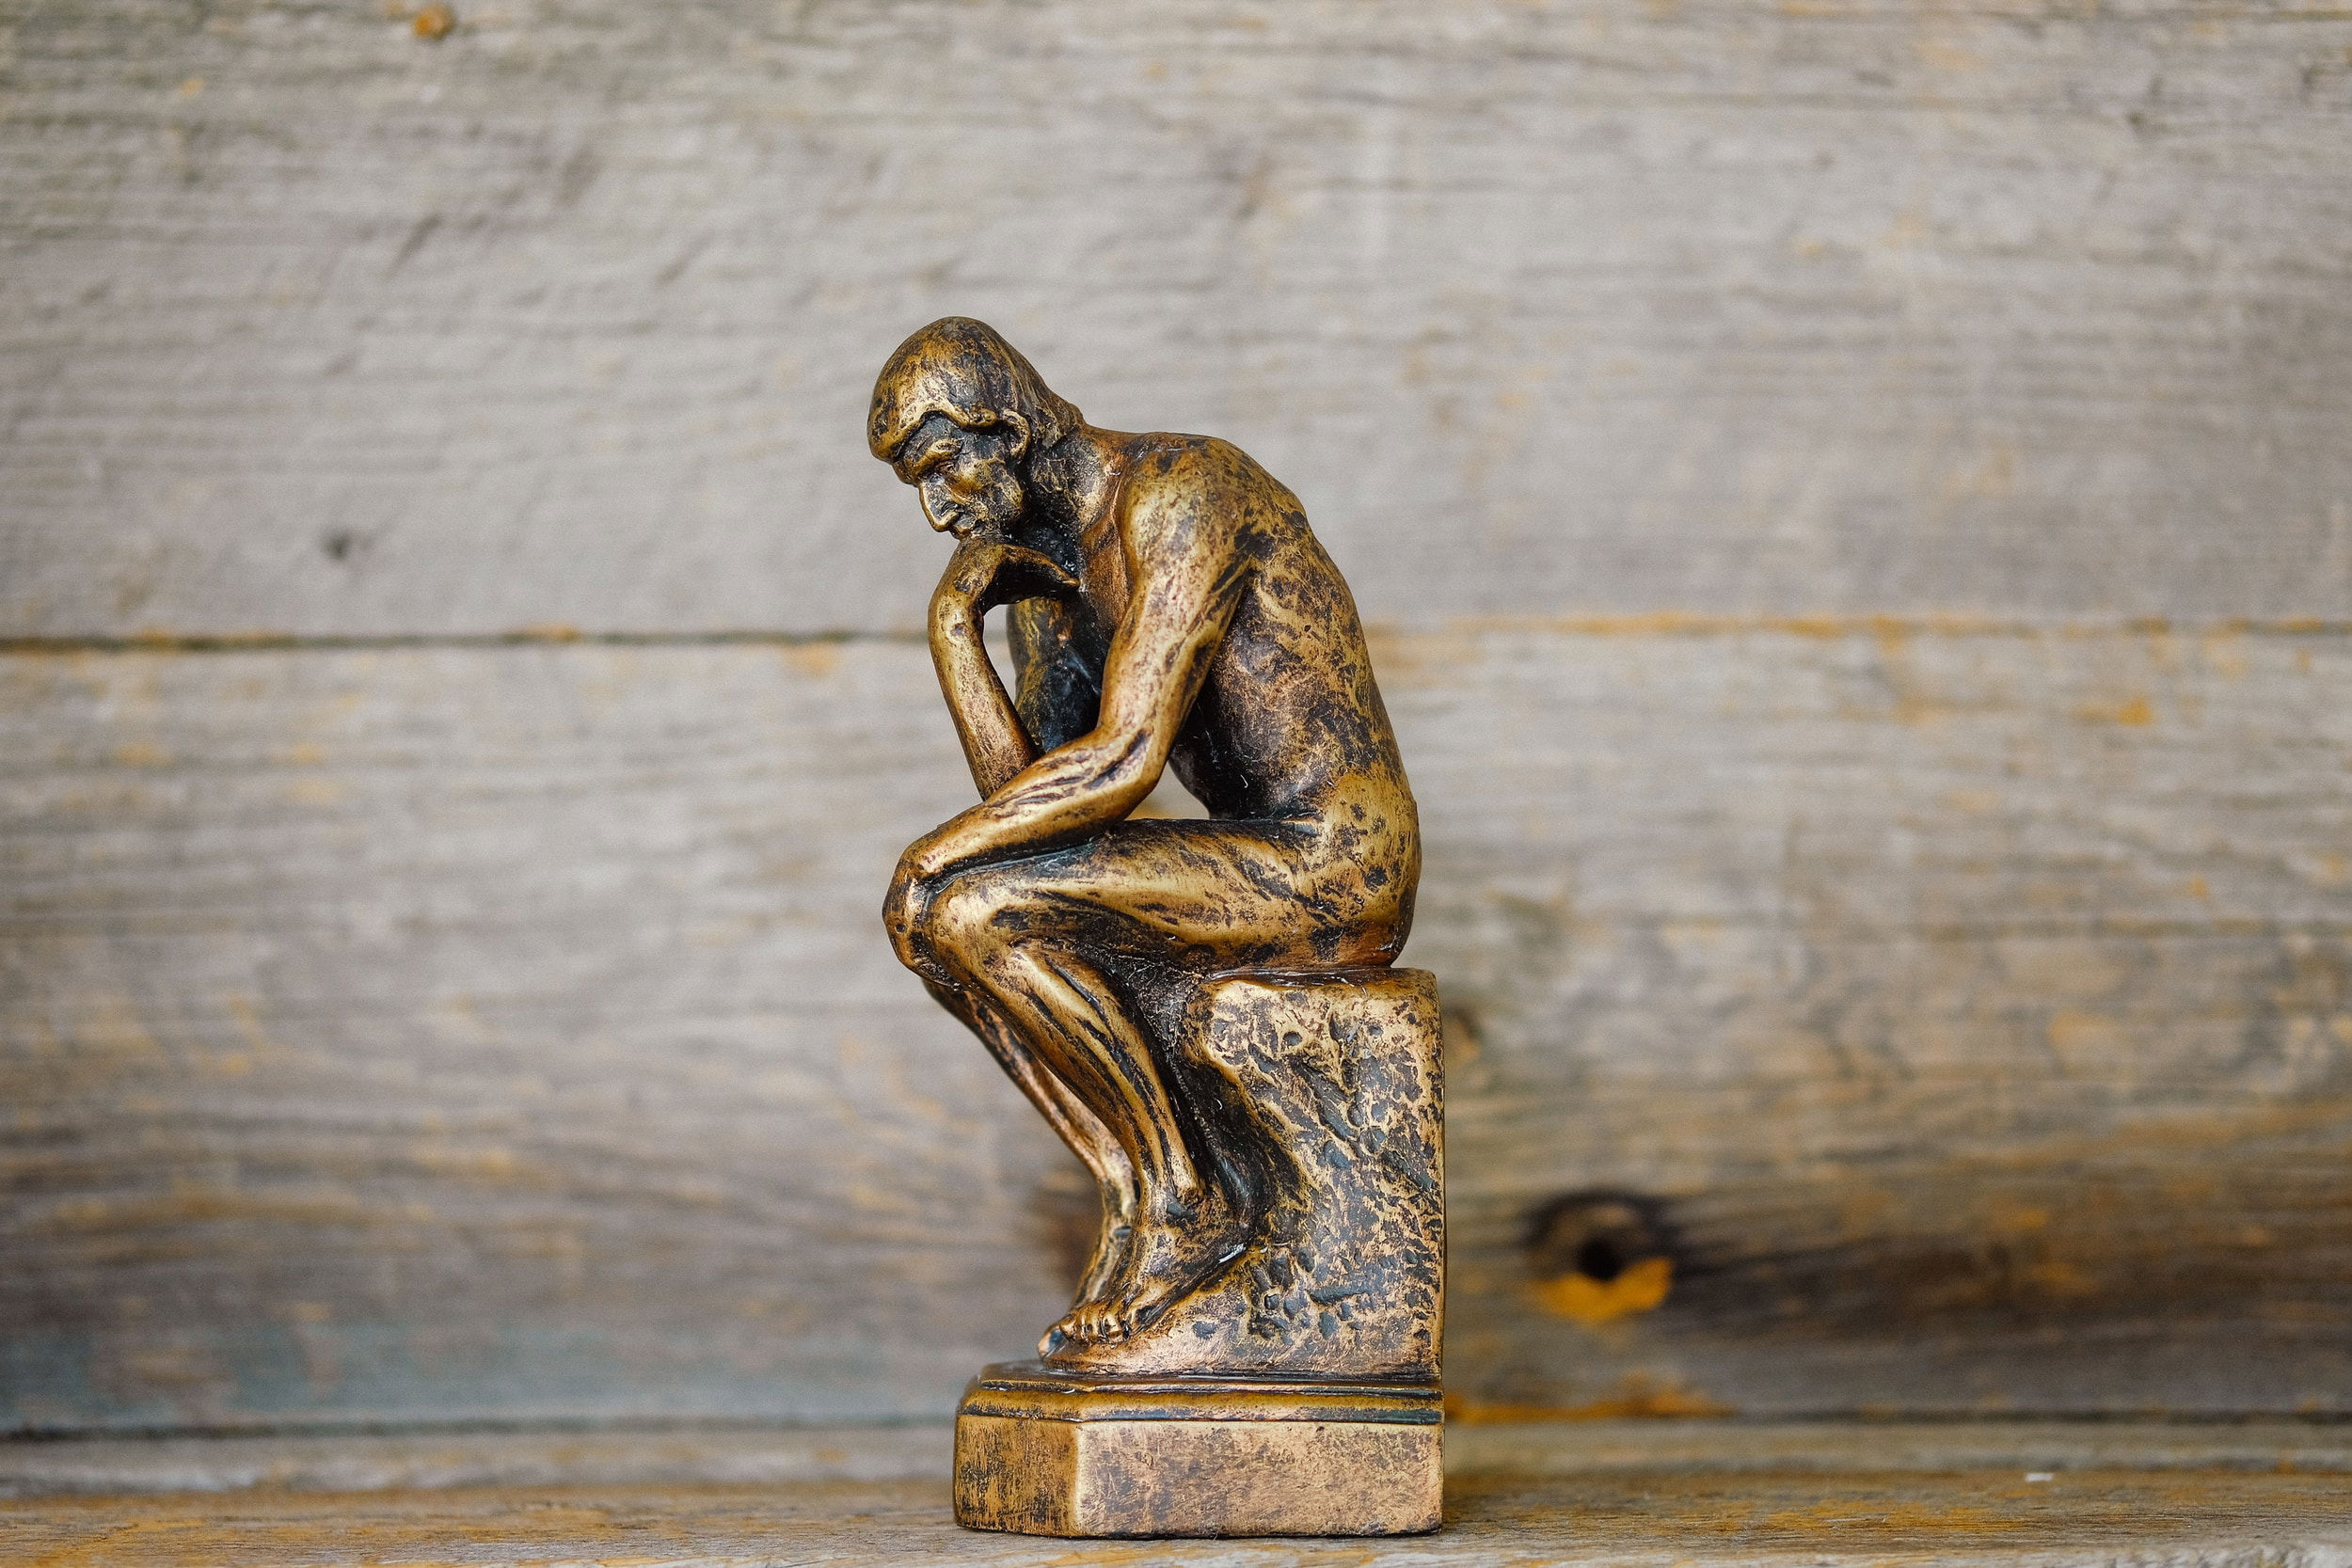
[[1204, 1010]]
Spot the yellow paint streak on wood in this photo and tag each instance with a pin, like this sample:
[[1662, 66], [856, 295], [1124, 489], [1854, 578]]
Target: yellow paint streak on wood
[[2073, 1030], [816, 660], [2225, 652], [195, 1202], [2132, 712], [1638, 1287], [1945, 57], [1828, 1517], [1636, 1398]]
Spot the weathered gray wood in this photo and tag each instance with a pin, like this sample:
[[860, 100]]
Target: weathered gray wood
[[918, 1450], [668, 1454], [308, 324], [1977, 1010], [507, 1032], [1726, 1495], [495, 1033]]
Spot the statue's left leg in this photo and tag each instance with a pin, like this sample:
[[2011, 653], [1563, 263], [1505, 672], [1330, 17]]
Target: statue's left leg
[[1054, 990], [1037, 938], [1067, 1115]]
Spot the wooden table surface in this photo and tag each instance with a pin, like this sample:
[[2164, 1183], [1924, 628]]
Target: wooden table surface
[[1620, 1493]]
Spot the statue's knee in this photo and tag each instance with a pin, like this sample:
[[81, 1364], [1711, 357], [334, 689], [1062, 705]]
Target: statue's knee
[[914, 914], [902, 918], [958, 919]]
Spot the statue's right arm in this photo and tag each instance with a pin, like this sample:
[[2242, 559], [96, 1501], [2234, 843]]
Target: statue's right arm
[[1201, 545], [997, 743]]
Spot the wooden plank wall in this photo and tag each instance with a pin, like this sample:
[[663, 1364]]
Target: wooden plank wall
[[1858, 502]]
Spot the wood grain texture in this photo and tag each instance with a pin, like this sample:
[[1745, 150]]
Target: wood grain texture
[[1971, 1014], [460, 1033], [500, 1033], [2033, 308], [1881, 971], [1555, 1496], [673, 1454]]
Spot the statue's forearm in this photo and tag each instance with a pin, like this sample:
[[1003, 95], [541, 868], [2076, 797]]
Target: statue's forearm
[[995, 745], [1152, 670], [1066, 796]]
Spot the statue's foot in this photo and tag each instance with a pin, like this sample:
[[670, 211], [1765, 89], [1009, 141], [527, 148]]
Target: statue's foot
[[1164, 1258], [1103, 1271]]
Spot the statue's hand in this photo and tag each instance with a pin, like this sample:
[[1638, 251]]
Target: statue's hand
[[986, 572]]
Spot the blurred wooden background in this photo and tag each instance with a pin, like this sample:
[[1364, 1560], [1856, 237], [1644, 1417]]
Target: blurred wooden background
[[1857, 498]]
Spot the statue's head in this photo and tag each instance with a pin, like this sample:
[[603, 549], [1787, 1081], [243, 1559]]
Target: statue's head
[[957, 412]]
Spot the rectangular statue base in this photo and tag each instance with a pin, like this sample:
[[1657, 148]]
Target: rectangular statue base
[[1043, 1452]]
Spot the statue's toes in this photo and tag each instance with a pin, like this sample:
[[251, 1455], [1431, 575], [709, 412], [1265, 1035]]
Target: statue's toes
[[1088, 1322], [1072, 1333]]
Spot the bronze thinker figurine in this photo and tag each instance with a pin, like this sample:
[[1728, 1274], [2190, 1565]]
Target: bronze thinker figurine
[[1204, 1010]]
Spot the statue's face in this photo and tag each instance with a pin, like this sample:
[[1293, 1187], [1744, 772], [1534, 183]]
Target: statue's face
[[964, 477]]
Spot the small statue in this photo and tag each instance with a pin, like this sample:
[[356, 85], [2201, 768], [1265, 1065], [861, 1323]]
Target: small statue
[[1203, 1011]]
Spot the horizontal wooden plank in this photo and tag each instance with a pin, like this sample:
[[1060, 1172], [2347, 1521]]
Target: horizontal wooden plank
[[689, 1454], [504, 1032], [310, 325], [1916, 1020], [1965, 1019], [1737, 1496], [667, 1454]]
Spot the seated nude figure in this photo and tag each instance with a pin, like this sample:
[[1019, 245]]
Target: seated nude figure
[[1169, 606]]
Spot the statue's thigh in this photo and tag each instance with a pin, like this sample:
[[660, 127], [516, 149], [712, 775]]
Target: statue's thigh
[[1191, 892]]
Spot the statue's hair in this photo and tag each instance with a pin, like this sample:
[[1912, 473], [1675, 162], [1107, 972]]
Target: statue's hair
[[961, 367]]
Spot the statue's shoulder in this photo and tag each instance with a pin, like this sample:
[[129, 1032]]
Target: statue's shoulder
[[1166, 457], [1166, 469]]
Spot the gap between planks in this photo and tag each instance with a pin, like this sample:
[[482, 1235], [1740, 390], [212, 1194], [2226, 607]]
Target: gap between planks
[[1656, 623], [689, 1453]]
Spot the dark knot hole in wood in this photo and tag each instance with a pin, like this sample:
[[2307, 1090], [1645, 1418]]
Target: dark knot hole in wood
[[1597, 1234]]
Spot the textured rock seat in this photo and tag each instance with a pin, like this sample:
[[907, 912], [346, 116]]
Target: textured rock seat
[[1325, 1090], [1294, 1391]]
